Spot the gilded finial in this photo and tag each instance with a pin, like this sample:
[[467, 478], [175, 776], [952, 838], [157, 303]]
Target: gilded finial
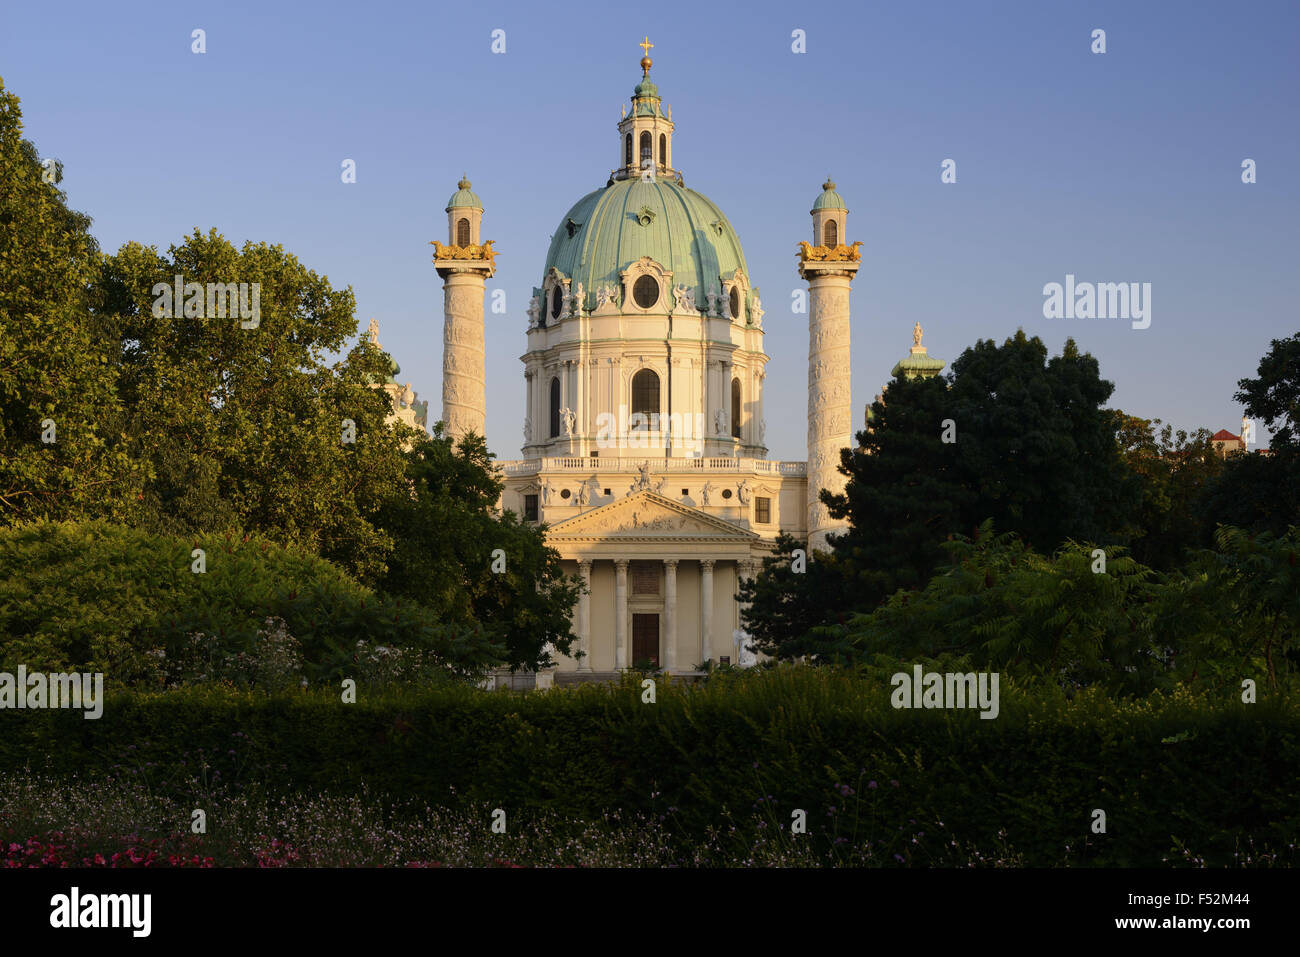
[[828, 185], [646, 62], [464, 181]]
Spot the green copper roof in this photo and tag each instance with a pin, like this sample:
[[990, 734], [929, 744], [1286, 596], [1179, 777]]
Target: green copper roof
[[464, 198], [684, 232], [914, 366], [829, 199]]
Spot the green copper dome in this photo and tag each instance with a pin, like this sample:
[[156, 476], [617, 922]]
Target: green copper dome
[[611, 228], [464, 198], [829, 199]]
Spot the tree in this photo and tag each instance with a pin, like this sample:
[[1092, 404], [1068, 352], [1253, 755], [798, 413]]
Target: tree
[[1262, 492], [789, 597], [1003, 607], [1036, 445], [62, 454], [1274, 395], [457, 556], [1173, 472], [1007, 435], [907, 492], [241, 420]]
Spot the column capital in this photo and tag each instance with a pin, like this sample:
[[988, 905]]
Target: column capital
[[584, 565], [671, 562], [621, 563], [708, 563]]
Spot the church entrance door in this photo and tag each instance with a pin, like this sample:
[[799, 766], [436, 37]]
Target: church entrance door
[[645, 639]]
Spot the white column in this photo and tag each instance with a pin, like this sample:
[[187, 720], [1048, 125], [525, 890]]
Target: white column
[[706, 616], [830, 407], [580, 425], [464, 396], [620, 613], [584, 617], [670, 615]]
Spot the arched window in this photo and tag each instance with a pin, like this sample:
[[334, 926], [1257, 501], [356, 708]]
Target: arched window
[[627, 150], [663, 150], [645, 397], [555, 408], [735, 408], [557, 301], [647, 147], [735, 302], [462, 232], [832, 233]]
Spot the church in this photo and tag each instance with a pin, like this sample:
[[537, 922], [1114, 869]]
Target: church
[[643, 432]]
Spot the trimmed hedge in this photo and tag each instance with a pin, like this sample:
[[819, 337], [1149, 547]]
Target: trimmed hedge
[[1211, 773]]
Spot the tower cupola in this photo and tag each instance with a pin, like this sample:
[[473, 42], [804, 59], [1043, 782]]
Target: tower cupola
[[646, 133]]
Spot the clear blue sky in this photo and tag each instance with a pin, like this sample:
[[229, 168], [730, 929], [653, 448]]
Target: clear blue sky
[[1116, 167]]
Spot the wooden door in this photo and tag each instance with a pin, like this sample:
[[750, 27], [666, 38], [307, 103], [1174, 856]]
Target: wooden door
[[645, 639]]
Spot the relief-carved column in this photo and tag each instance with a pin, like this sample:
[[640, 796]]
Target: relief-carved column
[[829, 399], [464, 399]]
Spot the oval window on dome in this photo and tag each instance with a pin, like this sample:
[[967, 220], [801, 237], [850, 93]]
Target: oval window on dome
[[557, 302], [646, 291], [735, 303]]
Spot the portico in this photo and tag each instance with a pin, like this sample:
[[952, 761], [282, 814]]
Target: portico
[[661, 583]]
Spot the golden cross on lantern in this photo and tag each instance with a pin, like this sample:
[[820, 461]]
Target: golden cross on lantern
[[645, 46]]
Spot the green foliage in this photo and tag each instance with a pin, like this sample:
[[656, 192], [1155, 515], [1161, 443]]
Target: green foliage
[[447, 536], [99, 597], [1237, 611], [1034, 451], [56, 358], [1262, 492], [242, 427], [1173, 472], [907, 491], [785, 606], [1274, 394], [1002, 607], [1201, 769]]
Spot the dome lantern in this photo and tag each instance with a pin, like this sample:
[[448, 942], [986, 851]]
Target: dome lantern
[[645, 133]]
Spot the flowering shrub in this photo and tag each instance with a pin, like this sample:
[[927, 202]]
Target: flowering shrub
[[273, 662]]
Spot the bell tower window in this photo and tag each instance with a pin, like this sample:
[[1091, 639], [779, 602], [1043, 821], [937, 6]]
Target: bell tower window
[[735, 408], [555, 408], [663, 150], [462, 232], [832, 234], [647, 148], [627, 150]]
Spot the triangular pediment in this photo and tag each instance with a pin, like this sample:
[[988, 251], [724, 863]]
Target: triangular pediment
[[648, 515]]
